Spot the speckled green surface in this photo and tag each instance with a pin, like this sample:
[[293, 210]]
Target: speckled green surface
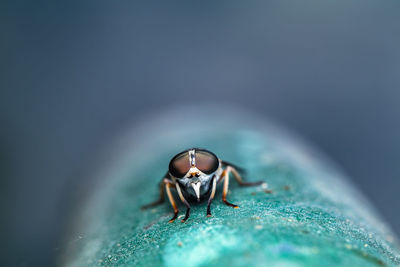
[[309, 216]]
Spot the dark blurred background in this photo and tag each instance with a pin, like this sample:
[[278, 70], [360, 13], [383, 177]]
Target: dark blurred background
[[73, 75]]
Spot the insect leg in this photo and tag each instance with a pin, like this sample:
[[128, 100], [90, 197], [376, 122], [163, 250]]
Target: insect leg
[[240, 180], [159, 201], [168, 185], [225, 174], [214, 186], [184, 202], [239, 169]]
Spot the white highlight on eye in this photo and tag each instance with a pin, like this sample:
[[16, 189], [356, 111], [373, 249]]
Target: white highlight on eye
[[192, 157]]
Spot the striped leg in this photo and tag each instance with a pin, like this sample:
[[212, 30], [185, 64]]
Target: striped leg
[[168, 185], [225, 175], [213, 189], [184, 202]]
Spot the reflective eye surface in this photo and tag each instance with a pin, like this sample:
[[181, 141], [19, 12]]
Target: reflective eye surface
[[206, 161], [179, 165]]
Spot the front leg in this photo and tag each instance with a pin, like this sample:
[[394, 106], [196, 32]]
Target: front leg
[[168, 185], [178, 188], [213, 189], [225, 175]]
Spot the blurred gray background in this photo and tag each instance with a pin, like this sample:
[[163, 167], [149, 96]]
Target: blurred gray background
[[75, 74]]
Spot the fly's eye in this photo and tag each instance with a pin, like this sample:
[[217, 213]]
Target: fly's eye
[[179, 165], [206, 161]]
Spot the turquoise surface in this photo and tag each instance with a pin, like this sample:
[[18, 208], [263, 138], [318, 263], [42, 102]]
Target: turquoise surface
[[308, 216]]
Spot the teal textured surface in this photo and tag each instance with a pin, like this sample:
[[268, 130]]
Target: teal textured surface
[[308, 216]]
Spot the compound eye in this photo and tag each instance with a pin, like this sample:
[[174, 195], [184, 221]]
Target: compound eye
[[179, 165], [206, 161]]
